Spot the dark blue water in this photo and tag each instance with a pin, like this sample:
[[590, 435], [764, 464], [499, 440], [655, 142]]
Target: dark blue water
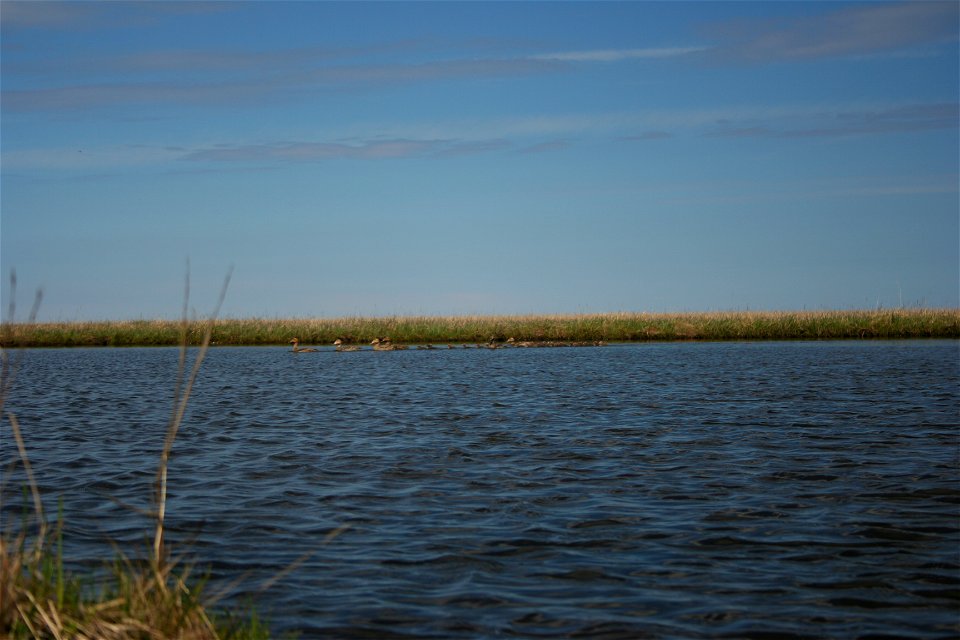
[[746, 490]]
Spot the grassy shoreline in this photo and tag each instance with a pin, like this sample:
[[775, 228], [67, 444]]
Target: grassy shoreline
[[609, 327]]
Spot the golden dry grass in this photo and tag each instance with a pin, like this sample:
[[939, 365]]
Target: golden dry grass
[[609, 327]]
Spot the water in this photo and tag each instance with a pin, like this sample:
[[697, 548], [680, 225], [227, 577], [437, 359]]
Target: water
[[744, 490]]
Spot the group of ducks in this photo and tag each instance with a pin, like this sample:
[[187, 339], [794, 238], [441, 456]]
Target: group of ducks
[[378, 344], [384, 344]]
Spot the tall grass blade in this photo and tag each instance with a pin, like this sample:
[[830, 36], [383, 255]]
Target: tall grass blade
[[32, 482], [180, 407]]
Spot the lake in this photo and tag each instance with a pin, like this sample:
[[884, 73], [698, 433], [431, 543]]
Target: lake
[[674, 490]]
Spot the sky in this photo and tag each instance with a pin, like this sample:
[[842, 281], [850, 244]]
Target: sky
[[455, 158]]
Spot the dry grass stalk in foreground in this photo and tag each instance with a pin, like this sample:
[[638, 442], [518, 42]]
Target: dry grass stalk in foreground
[[156, 599]]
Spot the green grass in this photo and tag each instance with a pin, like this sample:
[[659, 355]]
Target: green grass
[[610, 327]]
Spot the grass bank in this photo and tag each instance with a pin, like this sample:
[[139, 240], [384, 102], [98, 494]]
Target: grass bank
[[609, 327]]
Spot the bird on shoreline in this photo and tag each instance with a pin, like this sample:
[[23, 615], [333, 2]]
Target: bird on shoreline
[[298, 349]]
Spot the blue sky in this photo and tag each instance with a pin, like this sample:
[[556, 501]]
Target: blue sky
[[477, 158]]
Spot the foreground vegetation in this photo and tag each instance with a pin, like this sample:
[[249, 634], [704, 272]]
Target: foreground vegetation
[[609, 327], [152, 596], [41, 598]]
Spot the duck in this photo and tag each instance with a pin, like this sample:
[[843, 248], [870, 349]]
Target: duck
[[338, 343], [297, 349], [384, 344]]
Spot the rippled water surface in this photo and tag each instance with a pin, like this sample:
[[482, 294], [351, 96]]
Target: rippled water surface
[[661, 490]]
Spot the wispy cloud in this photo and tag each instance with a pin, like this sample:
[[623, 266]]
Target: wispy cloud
[[474, 147], [847, 32], [87, 159], [547, 146], [373, 149], [521, 135], [86, 96], [43, 14], [648, 135], [831, 124], [204, 77], [711, 192], [193, 61], [254, 86], [50, 14], [616, 55]]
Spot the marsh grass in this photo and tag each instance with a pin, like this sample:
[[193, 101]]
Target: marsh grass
[[156, 597], [609, 327]]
